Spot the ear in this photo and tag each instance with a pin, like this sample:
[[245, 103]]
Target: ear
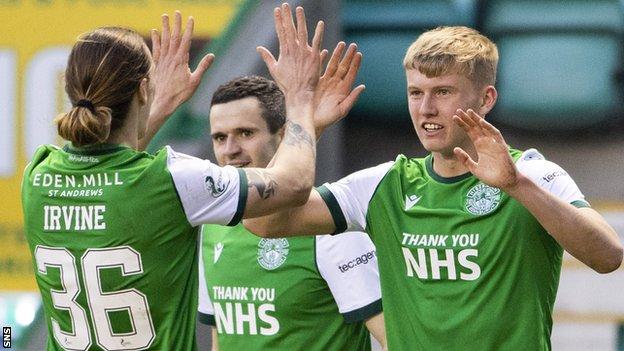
[[488, 100], [143, 92], [281, 132]]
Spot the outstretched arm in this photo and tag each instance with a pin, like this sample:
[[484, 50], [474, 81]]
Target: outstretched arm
[[173, 80], [288, 181], [580, 231], [335, 96]]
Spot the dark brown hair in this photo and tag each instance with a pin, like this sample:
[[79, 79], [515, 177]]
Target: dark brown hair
[[266, 91], [104, 71]]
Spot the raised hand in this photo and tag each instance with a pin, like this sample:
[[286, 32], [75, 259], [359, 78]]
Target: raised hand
[[334, 94], [296, 71], [495, 167], [173, 80]]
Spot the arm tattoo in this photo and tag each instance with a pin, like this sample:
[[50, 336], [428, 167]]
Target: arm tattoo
[[263, 182], [296, 135]]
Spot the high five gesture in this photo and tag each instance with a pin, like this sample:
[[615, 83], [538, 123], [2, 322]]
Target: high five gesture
[[173, 81]]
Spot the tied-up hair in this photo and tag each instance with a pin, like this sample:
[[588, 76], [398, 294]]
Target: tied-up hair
[[104, 71], [458, 49]]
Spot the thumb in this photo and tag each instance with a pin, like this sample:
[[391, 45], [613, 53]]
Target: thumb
[[267, 57], [347, 104], [203, 66]]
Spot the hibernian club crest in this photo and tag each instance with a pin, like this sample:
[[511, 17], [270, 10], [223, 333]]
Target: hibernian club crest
[[482, 199], [216, 187], [272, 253]]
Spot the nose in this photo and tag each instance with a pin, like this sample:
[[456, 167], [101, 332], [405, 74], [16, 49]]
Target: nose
[[427, 106], [232, 147]]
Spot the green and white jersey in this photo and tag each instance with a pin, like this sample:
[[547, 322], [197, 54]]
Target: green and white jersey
[[463, 266], [113, 233], [310, 293]]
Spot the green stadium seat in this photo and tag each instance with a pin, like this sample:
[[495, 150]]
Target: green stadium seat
[[383, 31], [558, 61]]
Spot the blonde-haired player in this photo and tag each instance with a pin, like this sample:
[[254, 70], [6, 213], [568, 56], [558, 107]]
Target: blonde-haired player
[[470, 238]]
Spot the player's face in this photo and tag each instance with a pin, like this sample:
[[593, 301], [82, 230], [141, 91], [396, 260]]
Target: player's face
[[240, 136], [432, 103]]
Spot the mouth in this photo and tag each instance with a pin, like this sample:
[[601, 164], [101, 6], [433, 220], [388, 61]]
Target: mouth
[[431, 128], [238, 164]]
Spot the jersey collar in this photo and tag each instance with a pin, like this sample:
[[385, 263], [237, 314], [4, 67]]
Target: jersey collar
[[94, 150], [441, 179]]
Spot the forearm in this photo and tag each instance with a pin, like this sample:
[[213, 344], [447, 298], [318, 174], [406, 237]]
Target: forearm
[[376, 327], [313, 218], [215, 343], [288, 181], [581, 232]]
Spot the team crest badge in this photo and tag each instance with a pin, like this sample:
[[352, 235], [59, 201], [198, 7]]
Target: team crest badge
[[482, 199], [216, 187], [272, 253]]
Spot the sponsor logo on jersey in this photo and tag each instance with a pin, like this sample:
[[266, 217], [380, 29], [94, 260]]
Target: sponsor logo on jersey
[[551, 176], [272, 253], [411, 201], [359, 260], [81, 158], [216, 187], [217, 251], [482, 199]]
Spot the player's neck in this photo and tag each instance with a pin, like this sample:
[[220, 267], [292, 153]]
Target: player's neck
[[128, 133], [447, 165]]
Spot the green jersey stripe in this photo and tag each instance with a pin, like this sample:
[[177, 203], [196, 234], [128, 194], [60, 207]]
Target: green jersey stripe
[[363, 313], [334, 209], [208, 319], [580, 204], [242, 198]]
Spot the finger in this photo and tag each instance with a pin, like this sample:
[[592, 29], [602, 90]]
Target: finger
[[323, 58], [166, 36], [492, 131], [155, 45], [476, 120], [332, 65], [317, 40], [175, 34], [460, 122], [203, 66], [185, 44], [343, 68], [279, 29], [473, 130], [288, 24], [464, 117], [465, 159], [267, 57], [351, 99], [474, 117], [302, 27], [353, 69]]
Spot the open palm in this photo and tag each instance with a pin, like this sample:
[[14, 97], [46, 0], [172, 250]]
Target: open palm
[[495, 166], [334, 94]]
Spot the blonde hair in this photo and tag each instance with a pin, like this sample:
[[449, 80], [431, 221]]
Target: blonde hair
[[104, 71], [459, 49]]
